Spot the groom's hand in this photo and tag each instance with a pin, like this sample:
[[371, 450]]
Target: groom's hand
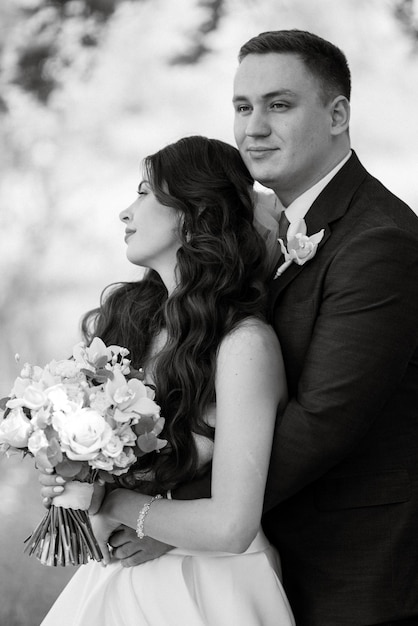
[[131, 551]]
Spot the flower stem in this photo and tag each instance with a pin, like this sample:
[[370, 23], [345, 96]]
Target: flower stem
[[63, 537]]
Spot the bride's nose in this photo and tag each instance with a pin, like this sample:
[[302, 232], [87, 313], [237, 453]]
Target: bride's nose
[[124, 215]]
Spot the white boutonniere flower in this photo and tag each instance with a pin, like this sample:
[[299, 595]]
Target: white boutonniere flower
[[300, 247]]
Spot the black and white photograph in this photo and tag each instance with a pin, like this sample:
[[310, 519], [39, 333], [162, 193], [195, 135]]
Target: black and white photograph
[[208, 313]]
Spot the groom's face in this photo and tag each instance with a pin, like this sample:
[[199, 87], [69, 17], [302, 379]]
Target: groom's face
[[282, 125]]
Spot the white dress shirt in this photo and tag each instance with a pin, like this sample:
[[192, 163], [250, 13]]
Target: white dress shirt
[[268, 209], [298, 209]]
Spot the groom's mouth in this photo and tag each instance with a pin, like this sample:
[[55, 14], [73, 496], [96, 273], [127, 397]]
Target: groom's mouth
[[259, 152]]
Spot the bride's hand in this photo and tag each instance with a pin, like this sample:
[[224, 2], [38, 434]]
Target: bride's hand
[[51, 485]]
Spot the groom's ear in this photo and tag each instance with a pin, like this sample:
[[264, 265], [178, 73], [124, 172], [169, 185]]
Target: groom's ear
[[340, 115]]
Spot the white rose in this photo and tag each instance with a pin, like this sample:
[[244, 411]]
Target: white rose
[[113, 448], [102, 462], [124, 461], [83, 434], [15, 429], [126, 435]]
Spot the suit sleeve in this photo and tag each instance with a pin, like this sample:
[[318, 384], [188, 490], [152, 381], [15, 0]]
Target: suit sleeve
[[363, 340], [198, 488]]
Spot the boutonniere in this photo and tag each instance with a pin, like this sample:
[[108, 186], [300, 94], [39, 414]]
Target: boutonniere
[[300, 247]]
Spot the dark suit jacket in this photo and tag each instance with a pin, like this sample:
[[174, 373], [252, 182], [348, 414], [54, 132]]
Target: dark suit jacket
[[342, 494]]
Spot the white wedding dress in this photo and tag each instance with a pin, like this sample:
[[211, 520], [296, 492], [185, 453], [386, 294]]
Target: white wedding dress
[[181, 588]]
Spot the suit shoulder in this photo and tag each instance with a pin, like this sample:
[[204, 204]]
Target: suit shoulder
[[373, 204]]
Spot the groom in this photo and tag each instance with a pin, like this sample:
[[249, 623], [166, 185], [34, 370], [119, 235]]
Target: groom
[[342, 496]]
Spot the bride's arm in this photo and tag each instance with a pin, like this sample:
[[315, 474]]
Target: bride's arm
[[250, 383]]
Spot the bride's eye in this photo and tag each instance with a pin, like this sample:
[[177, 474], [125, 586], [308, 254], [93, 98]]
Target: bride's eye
[[143, 188]]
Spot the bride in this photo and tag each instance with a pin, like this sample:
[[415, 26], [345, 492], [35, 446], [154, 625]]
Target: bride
[[195, 324]]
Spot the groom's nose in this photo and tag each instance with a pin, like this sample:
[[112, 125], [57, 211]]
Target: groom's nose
[[257, 124]]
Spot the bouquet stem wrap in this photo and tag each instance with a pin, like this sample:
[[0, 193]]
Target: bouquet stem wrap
[[64, 536]]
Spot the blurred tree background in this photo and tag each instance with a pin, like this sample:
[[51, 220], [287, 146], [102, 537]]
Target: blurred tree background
[[87, 89]]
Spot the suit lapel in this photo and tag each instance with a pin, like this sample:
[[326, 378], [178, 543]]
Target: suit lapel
[[331, 204]]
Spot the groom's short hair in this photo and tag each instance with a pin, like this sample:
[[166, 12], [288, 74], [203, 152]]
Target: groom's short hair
[[322, 58]]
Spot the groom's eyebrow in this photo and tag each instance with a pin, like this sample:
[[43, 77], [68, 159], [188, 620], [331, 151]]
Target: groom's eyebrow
[[267, 96], [278, 93]]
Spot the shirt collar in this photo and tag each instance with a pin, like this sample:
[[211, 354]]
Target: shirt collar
[[298, 208]]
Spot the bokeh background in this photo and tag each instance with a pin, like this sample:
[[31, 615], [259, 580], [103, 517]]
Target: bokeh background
[[87, 89]]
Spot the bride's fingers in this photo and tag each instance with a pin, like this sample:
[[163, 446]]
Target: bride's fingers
[[51, 479], [51, 492], [51, 486], [105, 552]]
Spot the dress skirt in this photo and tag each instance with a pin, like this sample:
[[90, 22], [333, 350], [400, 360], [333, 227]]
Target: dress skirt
[[180, 588]]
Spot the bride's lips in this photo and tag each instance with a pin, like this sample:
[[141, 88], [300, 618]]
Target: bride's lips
[[128, 233]]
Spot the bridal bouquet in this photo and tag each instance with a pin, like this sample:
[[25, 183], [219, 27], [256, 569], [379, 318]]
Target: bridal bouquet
[[88, 418]]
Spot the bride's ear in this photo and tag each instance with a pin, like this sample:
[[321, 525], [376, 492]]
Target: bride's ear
[[183, 229], [340, 115]]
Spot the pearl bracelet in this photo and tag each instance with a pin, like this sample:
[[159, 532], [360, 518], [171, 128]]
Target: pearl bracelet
[[142, 515]]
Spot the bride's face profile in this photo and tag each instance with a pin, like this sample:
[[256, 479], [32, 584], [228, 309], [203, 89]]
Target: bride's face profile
[[151, 231]]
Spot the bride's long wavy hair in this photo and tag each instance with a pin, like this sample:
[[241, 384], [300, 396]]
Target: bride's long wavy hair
[[220, 273]]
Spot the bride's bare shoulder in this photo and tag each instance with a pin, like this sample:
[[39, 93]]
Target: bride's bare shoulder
[[250, 336]]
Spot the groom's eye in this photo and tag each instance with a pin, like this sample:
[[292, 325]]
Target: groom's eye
[[242, 108], [279, 106]]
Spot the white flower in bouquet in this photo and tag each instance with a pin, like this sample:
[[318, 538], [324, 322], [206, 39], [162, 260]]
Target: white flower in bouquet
[[33, 397], [82, 434], [16, 429], [68, 369], [126, 434], [124, 461], [61, 398], [37, 441], [131, 398], [114, 447]]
